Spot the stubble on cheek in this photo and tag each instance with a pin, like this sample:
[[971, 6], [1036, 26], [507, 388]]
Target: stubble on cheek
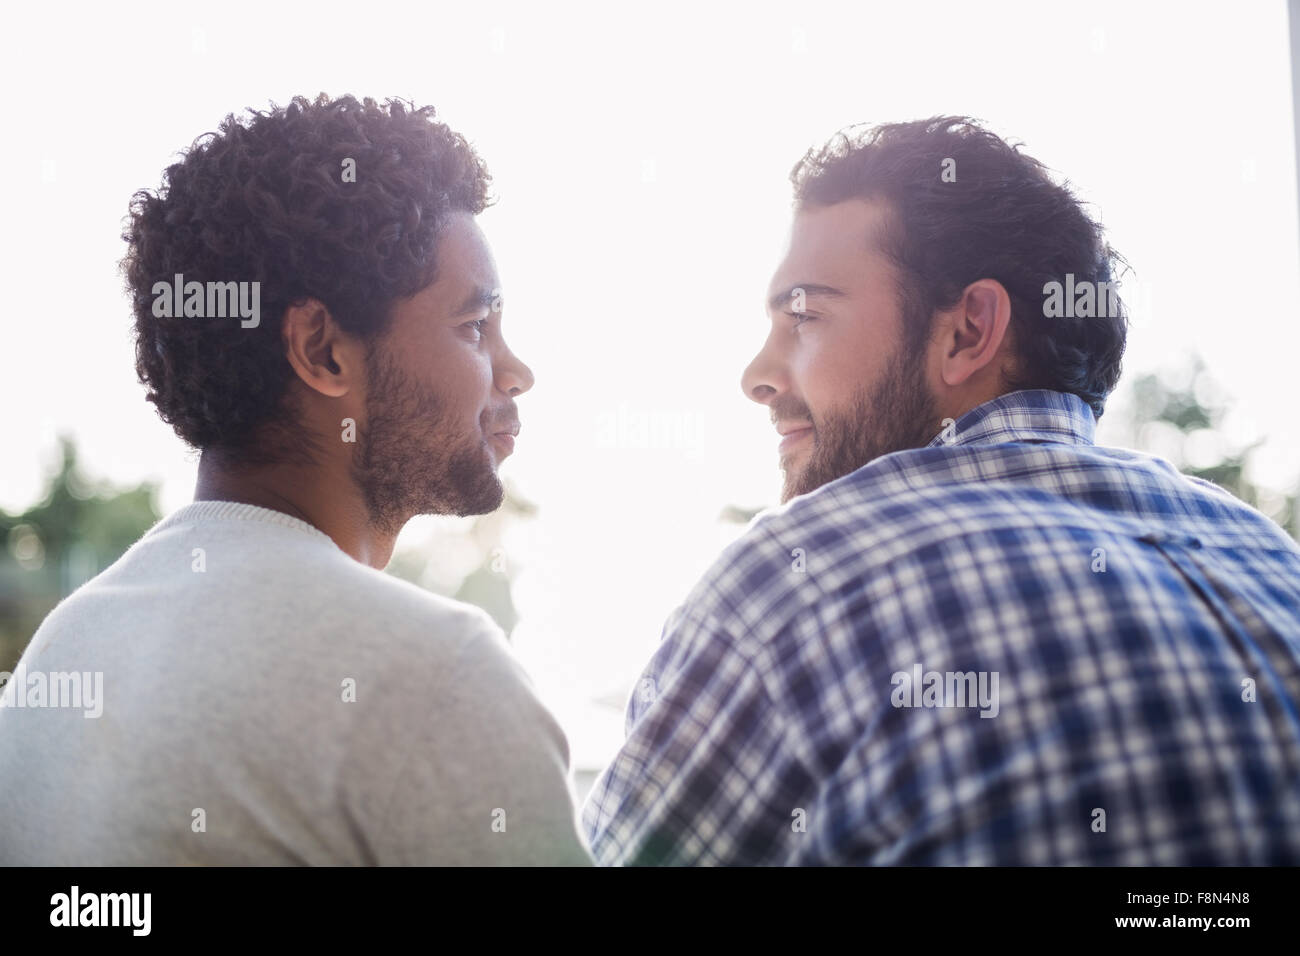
[[415, 457], [897, 413]]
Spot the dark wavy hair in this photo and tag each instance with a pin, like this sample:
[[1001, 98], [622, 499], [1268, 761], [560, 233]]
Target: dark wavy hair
[[264, 200], [1003, 218]]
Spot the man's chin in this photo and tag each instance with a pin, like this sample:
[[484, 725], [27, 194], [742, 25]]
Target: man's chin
[[467, 490], [795, 469], [809, 475], [793, 486], [481, 496], [488, 499]]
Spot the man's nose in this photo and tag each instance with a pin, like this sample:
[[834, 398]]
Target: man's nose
[[765, 376], [512, 376]]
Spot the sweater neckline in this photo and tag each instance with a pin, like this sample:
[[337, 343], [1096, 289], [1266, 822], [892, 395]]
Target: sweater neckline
[[237, 510]]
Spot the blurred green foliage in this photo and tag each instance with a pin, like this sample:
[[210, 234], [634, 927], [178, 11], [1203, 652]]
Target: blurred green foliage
[[1169, 418], [51, 549]]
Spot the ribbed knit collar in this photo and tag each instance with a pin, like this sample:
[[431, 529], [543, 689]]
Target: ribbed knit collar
[[235, 510]]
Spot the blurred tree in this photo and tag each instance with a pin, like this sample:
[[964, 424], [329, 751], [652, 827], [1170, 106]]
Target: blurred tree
[[468, 562], [740, 514], [78, 528], [1181, 418]]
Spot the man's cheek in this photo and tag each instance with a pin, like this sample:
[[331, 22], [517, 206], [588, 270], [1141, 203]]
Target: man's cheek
[[480, 390]]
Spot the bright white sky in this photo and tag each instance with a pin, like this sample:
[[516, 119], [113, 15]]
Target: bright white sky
[[641, 162]]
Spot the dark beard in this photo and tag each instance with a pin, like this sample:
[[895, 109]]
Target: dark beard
[[898, 413], [410, 460]]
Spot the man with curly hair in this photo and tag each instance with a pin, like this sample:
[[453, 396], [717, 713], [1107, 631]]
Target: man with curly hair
[[969, 635], [269, 695]]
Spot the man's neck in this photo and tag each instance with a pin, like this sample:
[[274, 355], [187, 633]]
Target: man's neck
[[326, 500]]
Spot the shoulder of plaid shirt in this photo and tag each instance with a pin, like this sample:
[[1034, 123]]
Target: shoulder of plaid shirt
[[1123, 606]]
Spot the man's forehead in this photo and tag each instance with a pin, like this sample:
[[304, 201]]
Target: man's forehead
[[464, 246], [830, 245], [466, 276]]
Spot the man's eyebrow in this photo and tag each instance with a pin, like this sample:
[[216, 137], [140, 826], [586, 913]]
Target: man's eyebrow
[[478, 300], [810, 289]]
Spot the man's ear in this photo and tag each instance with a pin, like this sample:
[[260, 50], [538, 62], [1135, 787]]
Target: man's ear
[[974, 331], [325, 358]]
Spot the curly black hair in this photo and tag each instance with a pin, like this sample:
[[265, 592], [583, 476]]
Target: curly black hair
[[266, 200], [1003, 218]]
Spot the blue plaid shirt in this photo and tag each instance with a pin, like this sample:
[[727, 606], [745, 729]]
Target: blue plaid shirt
[[1008, 647]]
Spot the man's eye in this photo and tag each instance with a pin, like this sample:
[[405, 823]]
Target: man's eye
[[800, 318], [477, 325]]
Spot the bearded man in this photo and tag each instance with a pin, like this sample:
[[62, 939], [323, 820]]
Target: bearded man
[[969, 635]]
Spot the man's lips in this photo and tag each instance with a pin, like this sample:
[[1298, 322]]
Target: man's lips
[[792, 433], [505, 437]]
